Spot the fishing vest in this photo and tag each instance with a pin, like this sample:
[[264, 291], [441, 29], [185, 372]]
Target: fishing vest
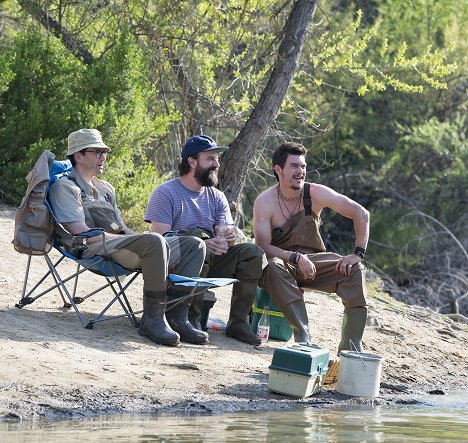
[[100, 212]]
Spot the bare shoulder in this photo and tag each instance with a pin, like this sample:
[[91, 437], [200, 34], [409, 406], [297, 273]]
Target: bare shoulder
[[266, 200], [267, 195], [321, 191], [323, 197]]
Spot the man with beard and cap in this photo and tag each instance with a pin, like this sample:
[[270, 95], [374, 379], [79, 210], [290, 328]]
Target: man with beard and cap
[[81, 201], [286, 225], [192, 205]]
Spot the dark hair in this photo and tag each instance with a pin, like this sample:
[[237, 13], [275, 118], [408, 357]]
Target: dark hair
[[184, 166], [281, 153], [72, 157]]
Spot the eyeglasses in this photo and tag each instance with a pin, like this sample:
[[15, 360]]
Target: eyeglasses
[[98, 152]]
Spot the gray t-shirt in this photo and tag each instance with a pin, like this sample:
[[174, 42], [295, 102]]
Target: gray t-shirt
[[65, 197], [172, 203]]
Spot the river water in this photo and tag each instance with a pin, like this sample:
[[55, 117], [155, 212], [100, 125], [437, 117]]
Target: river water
[[435, 419]]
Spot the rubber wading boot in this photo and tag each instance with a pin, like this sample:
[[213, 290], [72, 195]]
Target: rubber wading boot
[[238, 326], [177, 317], [153, 323], [354, 322], [296, 315], [195, 311]]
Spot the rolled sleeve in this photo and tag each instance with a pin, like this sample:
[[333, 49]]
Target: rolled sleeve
[[65, 199]]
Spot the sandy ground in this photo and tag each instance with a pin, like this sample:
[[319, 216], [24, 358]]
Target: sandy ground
[[53, 367]]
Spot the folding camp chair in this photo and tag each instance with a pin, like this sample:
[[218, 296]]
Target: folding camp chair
[[113, 273]]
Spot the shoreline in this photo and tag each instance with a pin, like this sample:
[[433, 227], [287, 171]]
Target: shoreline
[[53, 368]]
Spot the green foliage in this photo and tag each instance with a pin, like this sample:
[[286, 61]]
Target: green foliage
[[427, 160], [49, 93], [6, 73], [39, 101], [427, 171]]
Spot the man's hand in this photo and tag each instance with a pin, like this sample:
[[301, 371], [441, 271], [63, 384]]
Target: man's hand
[[228, 234], [306, 267], [345, 265], [217, 245]]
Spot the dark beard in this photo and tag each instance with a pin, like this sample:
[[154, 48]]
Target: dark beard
[[206, 177]]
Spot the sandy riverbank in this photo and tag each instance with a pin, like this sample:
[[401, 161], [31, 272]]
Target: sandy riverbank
[[51, 366]]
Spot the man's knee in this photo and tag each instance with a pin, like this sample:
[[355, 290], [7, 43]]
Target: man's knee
[[354, 292], [196, 244], [154, 241], [275, 269], [251, 260], [250, 250], [144, 244]]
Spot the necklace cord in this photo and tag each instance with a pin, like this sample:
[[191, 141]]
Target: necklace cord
[[282, 199]]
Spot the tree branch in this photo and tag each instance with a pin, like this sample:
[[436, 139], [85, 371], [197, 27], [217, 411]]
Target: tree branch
[[70, 42]]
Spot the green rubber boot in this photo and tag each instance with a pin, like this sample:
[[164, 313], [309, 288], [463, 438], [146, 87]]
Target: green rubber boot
[[177, 317], [296, 315], [354, 322], [195, 311], [153, 323], [241, 305]]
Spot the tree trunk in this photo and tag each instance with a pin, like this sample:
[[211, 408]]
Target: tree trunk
[[233, 171]]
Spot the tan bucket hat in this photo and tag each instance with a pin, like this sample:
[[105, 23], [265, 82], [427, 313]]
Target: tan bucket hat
[[83, 139]]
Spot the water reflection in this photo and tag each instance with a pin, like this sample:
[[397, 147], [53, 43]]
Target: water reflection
[[445, 422]]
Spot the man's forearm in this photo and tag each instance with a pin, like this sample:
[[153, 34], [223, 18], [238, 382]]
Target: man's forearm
[[361, 228], [276, 252]]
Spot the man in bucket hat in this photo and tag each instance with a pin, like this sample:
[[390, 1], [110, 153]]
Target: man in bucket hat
[[192, 205], [81, 202]]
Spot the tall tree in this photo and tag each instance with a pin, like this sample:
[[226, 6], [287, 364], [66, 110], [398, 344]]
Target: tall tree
[[236, 161]]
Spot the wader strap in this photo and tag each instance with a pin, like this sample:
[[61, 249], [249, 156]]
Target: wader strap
[[83, 192], [307, 200]]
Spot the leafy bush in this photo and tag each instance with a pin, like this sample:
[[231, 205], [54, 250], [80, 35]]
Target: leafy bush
[[48, 93]]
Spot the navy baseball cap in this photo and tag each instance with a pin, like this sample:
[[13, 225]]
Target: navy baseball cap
[[200, 143]]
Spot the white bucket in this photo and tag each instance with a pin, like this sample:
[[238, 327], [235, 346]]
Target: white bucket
[[359, 374]]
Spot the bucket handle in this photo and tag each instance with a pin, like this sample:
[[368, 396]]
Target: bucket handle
[[352, 345]]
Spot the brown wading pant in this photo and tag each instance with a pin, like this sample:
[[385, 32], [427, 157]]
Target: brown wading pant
[[155, 256], [282, 281]]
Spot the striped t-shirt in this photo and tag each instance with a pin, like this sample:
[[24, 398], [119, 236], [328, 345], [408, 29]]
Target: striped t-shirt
[[172, 203]]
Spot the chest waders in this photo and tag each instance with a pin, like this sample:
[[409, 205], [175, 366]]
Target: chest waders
[[281, 280]]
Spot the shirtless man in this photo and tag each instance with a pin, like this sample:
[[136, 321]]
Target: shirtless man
[[286, 226]]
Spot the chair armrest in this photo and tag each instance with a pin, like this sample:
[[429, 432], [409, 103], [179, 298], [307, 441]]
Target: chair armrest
[[89, 234], [80, 240]]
